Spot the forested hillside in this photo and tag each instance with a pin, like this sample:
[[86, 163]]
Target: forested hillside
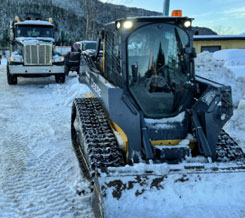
[[70, 14]]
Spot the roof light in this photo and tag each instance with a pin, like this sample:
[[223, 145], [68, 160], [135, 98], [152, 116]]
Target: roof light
[[128, 24], [16, 19], [177, 13], [50, 20], [187, 23]]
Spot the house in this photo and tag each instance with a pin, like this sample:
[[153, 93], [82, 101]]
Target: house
[[214, 43]]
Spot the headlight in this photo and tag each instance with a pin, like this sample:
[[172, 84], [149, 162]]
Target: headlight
[[58, 59], [118, 25], [16, 59], [124, 25], [128, 24], [187, 24]]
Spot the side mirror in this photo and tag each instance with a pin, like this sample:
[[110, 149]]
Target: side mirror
[[191, 51]]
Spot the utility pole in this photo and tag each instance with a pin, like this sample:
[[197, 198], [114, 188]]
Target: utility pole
[[166, 4]]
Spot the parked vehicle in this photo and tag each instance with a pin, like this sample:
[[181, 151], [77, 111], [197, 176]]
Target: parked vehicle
[[84, 45], [32, 52], [72, 62], [72, 58]]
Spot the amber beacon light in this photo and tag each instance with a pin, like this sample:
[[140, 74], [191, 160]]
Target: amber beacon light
[[177, 13]]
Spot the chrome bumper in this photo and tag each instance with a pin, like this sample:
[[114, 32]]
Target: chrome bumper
[[25, 70]]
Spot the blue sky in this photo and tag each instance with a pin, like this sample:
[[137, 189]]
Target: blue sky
[[223, 16]]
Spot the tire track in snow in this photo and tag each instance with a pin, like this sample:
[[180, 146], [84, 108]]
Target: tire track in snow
[[39, 173]]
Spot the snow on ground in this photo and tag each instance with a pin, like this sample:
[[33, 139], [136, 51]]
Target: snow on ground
[[40, 176], [39, 172], [228, 67]]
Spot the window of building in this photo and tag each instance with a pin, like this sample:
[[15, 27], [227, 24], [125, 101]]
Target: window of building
[[211, 48]]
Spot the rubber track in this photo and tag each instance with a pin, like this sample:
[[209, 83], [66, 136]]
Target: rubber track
[[99, 148], [227, 149]]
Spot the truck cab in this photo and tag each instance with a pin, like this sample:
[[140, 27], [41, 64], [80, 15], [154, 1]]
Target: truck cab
[[32, 51]]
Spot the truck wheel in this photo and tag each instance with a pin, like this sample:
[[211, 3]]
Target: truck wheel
[[60, 78], [12, 79]]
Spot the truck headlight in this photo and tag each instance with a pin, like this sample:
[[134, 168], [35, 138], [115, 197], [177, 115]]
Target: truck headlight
[[16, 59], [58, 59]]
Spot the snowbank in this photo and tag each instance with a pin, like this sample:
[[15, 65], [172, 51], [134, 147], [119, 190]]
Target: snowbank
[[222, 68], [228, 67], [230, 57]]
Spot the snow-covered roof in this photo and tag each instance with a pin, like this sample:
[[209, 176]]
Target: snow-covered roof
[[218, 37], [34, 22], [85, 41]]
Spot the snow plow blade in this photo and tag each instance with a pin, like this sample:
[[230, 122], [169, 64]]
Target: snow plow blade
[[139, 191]]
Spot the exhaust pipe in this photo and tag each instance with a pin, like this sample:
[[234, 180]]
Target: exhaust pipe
[[166, 4]]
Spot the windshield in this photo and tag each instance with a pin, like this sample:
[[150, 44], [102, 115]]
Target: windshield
[[90, 45], [158, 69], [34, 31]]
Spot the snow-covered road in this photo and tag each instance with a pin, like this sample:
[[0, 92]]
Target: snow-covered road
[[39, 173]]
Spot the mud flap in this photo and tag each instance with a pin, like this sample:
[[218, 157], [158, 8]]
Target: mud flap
[[140, 192]]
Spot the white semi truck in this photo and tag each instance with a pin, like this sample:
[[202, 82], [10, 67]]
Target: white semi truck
[[32, 51]]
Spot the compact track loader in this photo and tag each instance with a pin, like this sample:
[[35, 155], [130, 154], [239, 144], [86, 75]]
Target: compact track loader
[[151, 123]]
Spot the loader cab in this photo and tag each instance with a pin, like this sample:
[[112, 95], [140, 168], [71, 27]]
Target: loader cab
[[158, 71]]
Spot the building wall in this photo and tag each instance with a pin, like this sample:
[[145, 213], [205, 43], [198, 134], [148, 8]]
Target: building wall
[[224, 44]]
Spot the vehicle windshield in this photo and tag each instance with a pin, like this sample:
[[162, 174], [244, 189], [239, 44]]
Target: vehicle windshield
[[158, 69], [34, 31], [89, 45]]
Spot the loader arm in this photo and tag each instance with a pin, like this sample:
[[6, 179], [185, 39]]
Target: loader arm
[[209, 114]]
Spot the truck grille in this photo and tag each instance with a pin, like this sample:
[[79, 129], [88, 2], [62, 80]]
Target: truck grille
[[38, 55]]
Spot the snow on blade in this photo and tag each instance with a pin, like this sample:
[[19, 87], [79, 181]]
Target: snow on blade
[[163, 193]]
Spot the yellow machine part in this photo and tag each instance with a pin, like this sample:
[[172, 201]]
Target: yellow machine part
[[89, 95], [172, 142], [122, 134]]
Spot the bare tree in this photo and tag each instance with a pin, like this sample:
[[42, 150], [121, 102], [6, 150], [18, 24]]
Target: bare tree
[[88, 4], [223, 30], [91, 9]]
